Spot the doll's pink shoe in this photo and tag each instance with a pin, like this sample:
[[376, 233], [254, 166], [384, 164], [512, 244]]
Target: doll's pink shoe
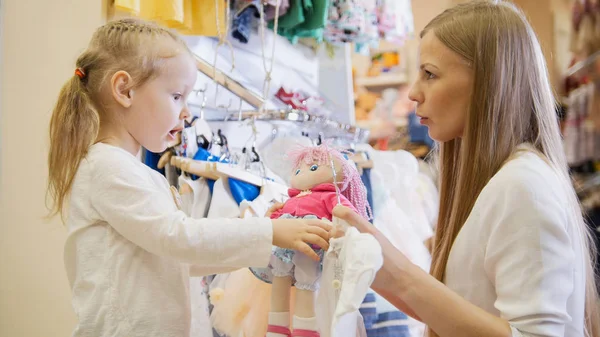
[[280, 330], [305, 333]]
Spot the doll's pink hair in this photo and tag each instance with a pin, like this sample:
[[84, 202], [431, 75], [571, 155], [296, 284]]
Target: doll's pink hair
[[351, 186]]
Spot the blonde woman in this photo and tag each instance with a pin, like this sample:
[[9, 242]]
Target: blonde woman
[[512, 253]]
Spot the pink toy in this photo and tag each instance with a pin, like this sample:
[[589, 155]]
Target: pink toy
[[312, 195], [242, 301]]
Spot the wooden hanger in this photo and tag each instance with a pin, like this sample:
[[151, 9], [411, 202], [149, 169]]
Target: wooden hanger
[[200, 168], [361, 161], [164, 159]]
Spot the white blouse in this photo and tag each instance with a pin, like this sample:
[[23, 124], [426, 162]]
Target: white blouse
[[519, 255], [129, 250]]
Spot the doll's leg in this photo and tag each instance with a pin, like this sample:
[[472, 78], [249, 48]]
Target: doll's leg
[[280, 298], [307, 274], [279, 316]]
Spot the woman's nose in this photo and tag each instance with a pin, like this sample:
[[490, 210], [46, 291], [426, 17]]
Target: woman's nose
[[415, 93]]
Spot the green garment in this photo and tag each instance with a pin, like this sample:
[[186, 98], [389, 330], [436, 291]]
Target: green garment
[[304, 18]]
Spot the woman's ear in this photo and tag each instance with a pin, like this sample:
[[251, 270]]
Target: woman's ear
[[120, 86]]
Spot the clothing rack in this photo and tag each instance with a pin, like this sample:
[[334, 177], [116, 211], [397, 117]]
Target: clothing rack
[[228, 83], [291, 115], [582, 64]]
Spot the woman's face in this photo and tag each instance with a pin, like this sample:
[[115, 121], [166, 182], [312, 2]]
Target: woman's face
[[442, 90]]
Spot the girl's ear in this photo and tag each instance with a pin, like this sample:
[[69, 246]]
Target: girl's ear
[[120, 86]]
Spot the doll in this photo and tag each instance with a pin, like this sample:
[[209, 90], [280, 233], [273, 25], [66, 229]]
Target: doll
[[312, 195]]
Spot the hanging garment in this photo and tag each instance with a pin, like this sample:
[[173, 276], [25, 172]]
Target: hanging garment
[[189, 142], [195, 199], [270, 192], [241, 27], [395, 175], [197, 202], [365, 177], [349, 268], [191, 17], [351, 21], [222, 203], [284, 6], [304, 19], [239, 190]]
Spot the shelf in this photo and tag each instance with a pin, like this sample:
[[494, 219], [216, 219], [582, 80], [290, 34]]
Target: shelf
[[383, 80]]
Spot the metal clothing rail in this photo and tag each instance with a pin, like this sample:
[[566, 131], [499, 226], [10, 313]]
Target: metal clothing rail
[[290, 115], [582, 64]]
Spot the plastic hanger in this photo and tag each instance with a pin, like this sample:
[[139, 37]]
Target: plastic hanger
[[203, 130]]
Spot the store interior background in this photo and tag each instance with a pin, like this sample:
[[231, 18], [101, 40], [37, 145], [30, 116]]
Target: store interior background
[[40, 41]]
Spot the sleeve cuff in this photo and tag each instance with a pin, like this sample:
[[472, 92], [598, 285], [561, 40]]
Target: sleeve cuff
[[261, 245]]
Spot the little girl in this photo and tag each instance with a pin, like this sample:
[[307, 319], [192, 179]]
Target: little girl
[[130, 250]]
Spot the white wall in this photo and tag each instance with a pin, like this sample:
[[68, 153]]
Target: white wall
[[41, 40]]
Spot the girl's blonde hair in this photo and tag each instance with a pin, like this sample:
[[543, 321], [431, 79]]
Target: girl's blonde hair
[[129, 45], [512, 103]]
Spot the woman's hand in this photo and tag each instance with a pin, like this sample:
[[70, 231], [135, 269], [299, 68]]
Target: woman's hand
[[299, 234], [394, 262]]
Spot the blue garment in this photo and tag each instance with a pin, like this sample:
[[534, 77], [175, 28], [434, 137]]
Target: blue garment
[[239, 190], [241, 26], [366, 180], [418, 133], [151, 160], [383, 324]]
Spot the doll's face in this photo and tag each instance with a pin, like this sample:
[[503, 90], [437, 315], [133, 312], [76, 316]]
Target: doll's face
[[307, 176]]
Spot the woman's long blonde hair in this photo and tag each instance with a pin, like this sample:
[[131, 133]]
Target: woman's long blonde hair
[[127, 44], [512, 103]]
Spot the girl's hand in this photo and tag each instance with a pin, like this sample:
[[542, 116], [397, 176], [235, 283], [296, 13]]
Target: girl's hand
[[275, 207], [299, 234], [394, 262]]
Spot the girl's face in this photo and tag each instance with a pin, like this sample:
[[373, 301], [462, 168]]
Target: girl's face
[[157, 109], [307, 176]]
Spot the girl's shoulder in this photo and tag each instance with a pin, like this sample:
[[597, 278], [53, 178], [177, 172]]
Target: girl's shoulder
[[106, 162]]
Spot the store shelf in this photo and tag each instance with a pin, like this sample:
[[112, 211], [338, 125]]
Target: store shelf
[[383, 80]]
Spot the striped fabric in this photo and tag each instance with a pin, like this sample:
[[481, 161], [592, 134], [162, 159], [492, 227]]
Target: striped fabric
[[383, 324]]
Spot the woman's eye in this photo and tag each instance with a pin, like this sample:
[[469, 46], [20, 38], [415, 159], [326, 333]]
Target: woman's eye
[[177, 97], [297, 172], [314, 168], [429, 75]]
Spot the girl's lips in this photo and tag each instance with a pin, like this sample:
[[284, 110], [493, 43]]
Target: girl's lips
[[173, 133]]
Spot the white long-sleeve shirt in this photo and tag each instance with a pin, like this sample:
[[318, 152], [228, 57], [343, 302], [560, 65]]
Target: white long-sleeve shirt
[[519, 254], [129, 249]]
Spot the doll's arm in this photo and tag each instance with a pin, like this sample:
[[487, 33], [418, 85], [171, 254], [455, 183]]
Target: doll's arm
[[331, 201]]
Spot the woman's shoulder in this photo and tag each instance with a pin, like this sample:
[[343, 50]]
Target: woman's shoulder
[[527, 173]]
